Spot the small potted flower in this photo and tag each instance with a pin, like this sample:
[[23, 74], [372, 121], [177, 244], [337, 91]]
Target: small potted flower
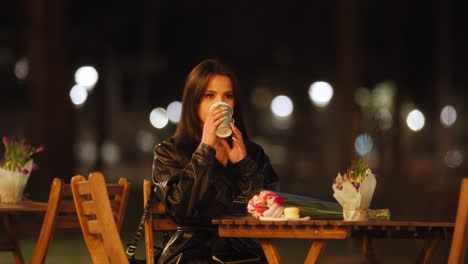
[[354, 190], [15, 168]]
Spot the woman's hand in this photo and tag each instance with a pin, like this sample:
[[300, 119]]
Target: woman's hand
[[237, 152], [213, 119]]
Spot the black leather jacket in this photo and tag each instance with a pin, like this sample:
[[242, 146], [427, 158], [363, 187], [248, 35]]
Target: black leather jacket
[[200, 189]]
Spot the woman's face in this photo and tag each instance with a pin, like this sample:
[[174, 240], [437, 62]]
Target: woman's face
[[219, 89]]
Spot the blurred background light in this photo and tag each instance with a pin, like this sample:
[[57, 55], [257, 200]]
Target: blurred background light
[[22, 69], [174, 110], [320, 93], [78, 95], [363, 144], [282, 106], [261, 97], [383, 95], [362, 97], [281, 123], [158, 118], [145, 141], [384, 119], [86, 76], [110, 152], [415, 120], [453, 158], [86, 151], [448, 116]]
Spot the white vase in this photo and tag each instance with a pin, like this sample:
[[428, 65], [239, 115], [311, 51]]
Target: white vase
[[12, 184]]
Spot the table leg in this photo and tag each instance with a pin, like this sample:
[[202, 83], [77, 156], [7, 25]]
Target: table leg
[[12, 241], [315, 251], [368, 249], [426, 253], [270, 251]]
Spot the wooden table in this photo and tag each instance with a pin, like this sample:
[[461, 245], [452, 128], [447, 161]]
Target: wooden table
[[6, 210], [323, 230]]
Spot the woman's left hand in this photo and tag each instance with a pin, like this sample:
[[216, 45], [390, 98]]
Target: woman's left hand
[[237, 152]]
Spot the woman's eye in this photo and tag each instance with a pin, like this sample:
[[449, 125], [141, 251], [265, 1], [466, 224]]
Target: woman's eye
[[229, 96], [209, 95]]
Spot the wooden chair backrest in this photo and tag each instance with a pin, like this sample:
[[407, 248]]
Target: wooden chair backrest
[[96, 219], [460, 233], [157, 220], [61, 213]]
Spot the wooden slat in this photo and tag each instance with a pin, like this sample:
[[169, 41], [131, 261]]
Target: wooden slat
[[460, 235], [280, 223], [67, 207], [253, 222], [315, 251], [266, 223], [66, 191], [93, 227], [114, 189], [88, 207], [27, 206], [164, 225], [270, 251], [159, 208], [429, 247], [227, 221], [262, 231], [239, 221], [11, 236], [67, 221], [83, 188], [367, 248]]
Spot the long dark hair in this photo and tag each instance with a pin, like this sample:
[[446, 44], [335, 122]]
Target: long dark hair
[[189, 130]]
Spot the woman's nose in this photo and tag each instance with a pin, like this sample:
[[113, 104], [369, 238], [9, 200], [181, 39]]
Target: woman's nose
[[221, 99]]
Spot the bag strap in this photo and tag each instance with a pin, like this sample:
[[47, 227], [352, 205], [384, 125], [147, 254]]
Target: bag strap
[[130, 251]]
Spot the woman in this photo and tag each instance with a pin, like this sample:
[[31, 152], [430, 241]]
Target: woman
[[199, 176]]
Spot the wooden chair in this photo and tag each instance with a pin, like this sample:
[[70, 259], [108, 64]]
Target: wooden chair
[[61, 213], [97, 222], [460, 233], [157, 221]]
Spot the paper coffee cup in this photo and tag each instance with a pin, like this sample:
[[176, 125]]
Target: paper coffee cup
[[224, 129]]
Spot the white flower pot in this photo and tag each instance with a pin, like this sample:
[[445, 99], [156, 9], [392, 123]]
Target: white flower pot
[[12, 184]]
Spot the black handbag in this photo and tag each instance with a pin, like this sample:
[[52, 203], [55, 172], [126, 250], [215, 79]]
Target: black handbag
[[131, 247]]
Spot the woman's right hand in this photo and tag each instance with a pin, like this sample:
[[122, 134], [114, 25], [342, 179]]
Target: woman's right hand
[[213, 119]]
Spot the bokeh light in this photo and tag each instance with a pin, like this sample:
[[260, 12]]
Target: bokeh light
[[145, 141], [78, 95], [363, 144], [448, 116], [383, 95], [453, 158], [86, 151], [415, 120], [22, 69], [174, 110], [281, 123], [362, 97], [282, 106], [86, 76], [384, 118], [110, 152], [261, 97], [320, 93], [158, 118]]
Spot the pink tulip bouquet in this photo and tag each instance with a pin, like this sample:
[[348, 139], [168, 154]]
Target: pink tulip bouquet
[[17, 154], [15, 168]]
